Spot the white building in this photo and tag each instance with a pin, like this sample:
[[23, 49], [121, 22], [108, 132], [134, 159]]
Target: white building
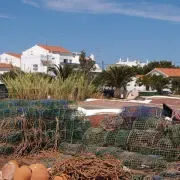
[[5, 68], [127, 62], [76, 56], [39, 57], [11, 58], [132, 85]]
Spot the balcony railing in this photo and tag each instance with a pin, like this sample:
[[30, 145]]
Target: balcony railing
[[47, 60]]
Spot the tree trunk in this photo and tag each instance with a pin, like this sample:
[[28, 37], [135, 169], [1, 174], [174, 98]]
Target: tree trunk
[[117, 93]]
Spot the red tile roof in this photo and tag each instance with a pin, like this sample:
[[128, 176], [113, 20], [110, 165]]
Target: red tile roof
[[171, 72], [14, 54], [55, 48], [4, 65]]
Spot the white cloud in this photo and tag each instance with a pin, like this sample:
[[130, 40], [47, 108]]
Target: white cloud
[[6, 16], [144, 9], [31, 2]]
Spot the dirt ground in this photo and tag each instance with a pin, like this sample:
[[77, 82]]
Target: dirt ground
[[105, 103]]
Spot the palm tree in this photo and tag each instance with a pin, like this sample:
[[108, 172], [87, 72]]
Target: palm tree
[[159, 82], [145, 80], [117, 77], [61, 72]]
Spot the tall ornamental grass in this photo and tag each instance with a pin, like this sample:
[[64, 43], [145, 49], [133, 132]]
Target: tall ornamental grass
[[35, 86]]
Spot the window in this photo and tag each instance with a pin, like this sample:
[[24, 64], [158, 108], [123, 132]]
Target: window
[[35, 67], [65, 60], [70, 61]]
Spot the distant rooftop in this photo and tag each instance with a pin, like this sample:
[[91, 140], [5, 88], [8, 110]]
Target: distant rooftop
[[55, 48], [131, 63], [14, 54], [4, 65]]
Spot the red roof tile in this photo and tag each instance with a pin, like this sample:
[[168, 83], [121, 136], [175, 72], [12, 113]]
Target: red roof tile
[[171, 72], [14, 54], [55, 48], [4, 65]]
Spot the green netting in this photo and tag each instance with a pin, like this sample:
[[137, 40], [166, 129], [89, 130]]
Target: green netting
[[94, 136], [33, 125], [10, 136], [144, 138], [38, 103], [91, 149], [121, 138], [138, 161], [11, 123], [6, 149], [174, 134], [114, 151], [138, 177], [109, 138], [69, 148], [144, 124], [166, 148], [170, 175]]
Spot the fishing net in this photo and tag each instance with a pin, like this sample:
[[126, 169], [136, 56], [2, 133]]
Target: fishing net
[[99, 137], [10, 136], [170, 175], [138, 161], [69, 148], [122, 138], [138, 140], [149, 123], [138, 177], [94, 136], [113, 151], [35, 125], [166, 148], [46, 103], [140, 111], [6, 149], [91, 149], [112, 123], [174, 134]]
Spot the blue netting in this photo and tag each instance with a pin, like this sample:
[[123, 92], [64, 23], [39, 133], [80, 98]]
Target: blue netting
[[141, 111]]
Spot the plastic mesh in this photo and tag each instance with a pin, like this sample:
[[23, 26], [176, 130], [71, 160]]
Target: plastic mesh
[[141, 111]]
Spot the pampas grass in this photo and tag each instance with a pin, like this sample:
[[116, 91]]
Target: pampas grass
[[36, 86]]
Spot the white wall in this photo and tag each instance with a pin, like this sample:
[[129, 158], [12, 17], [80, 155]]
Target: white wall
[[37, 56], [132, 86], [130, 63], [75, 58], [8, 59]]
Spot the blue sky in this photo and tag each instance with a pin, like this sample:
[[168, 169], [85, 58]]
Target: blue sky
[[110, 29]]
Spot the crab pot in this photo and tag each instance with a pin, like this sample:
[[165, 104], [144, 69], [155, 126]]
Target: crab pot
[[69, 148], [94, 136], [122, 138]]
